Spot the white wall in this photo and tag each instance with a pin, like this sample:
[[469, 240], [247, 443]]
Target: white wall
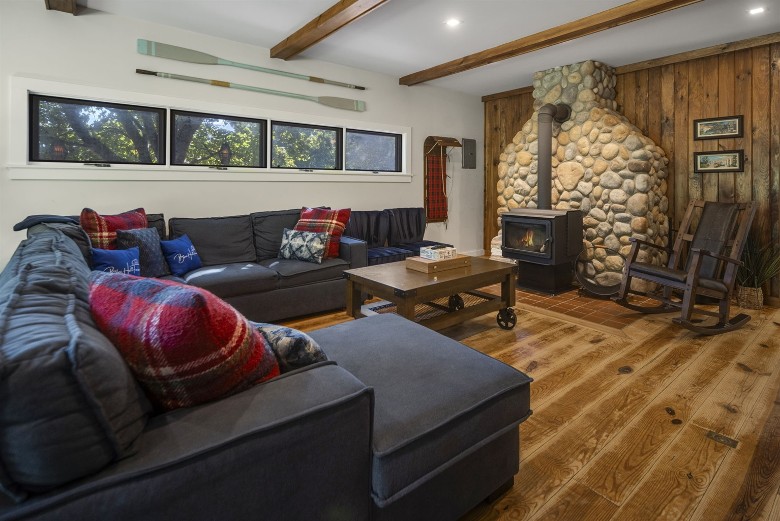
[[97, 50]]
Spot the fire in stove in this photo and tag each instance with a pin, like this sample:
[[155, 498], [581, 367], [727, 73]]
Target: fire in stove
[[528, 239]]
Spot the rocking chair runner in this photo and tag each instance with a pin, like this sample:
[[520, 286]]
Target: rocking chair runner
[[712, 253]]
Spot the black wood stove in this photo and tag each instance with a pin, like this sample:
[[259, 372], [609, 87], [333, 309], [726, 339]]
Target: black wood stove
[[545, 243]]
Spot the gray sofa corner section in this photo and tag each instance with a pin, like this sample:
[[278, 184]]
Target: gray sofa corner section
[[296, 447]]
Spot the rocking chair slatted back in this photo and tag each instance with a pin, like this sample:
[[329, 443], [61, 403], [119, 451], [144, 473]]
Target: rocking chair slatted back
[[715, 233]]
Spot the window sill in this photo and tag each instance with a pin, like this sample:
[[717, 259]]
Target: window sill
[[48, 172]]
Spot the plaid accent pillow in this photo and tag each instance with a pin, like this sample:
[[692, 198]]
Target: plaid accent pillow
[[331, 222], [184, 345], [101, 229]]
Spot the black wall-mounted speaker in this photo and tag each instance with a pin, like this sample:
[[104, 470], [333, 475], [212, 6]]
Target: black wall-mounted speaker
[[469, 153]]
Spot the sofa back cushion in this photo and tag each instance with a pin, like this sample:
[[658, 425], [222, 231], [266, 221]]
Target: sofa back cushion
[[406, 225], [268, 228], [218, 240], [70, 404], [371, 226], [185, 345]]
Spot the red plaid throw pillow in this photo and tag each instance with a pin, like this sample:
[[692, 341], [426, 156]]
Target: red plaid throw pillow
[[183, 344], [331, 222], [102, 228]]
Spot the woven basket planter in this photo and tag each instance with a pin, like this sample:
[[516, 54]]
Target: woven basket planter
[[750, 298]]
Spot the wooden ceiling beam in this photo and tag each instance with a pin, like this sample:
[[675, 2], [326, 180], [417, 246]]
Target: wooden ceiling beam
[[66, 6], [604, 20], [334, 18]]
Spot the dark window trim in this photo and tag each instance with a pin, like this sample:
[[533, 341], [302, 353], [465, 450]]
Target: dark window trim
[[398, 149], [34, 133], [339, 145], [262, 140]]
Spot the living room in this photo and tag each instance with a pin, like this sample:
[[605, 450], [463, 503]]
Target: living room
[[631, 449]]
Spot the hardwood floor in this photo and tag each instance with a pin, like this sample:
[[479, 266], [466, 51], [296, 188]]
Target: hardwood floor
[[650, 422]]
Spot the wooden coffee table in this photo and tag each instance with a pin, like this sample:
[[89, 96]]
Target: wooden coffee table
[[407, 289]]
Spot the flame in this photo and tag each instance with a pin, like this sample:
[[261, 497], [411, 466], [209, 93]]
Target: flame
[[528, 238]]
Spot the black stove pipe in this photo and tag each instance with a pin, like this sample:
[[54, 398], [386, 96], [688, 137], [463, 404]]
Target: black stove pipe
[[547, 114]]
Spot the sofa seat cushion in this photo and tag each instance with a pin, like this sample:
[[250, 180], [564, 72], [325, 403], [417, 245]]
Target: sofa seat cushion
[[69, 403], [297, 273], [387, 254], [218, 240], [436, 400], [230, 280]]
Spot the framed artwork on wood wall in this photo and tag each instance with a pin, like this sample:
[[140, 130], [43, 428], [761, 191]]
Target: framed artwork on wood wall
[[719, 161], [718, 128]]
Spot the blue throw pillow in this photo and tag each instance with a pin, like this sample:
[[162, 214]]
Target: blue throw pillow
[[147, 240], [181, 255], [304, 246], [117, 261]]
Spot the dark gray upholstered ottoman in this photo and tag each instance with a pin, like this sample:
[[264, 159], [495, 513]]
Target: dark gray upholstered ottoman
[[445, 416]]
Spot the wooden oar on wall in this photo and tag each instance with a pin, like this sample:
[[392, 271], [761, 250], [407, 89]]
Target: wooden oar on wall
[[328, 101], [182, 54]]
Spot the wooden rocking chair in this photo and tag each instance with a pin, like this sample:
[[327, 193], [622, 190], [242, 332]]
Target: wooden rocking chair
[[711, 255]]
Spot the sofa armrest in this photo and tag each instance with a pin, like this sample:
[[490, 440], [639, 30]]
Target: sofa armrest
[[354, 251], [295, 447]]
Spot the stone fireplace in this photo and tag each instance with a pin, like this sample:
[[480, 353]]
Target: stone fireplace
[[601, 165]]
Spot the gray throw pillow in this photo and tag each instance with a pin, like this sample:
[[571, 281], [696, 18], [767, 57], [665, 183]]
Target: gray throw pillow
[[293, 348], [147, 240], [304, 246]]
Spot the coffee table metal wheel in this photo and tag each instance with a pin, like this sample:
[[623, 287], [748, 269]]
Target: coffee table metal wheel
[[506, 318], [456, 303]]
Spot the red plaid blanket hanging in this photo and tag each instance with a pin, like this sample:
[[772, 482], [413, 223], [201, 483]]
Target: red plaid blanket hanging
[[435, 188]]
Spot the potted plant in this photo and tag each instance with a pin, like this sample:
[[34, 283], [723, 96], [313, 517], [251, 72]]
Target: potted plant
[[759, 264]]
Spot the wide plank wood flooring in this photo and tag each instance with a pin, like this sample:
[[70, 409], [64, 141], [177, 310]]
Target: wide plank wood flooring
[[649, 422]]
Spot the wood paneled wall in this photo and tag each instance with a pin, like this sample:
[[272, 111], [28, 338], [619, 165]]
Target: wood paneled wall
[[663, 101]]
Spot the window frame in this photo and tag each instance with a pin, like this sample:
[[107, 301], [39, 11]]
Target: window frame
[[398, 149], [172, 137], [33, 127], [20, 167], [339, 146]]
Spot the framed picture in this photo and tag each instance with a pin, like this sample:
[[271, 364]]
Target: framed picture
[[720, 161], [714, 128]]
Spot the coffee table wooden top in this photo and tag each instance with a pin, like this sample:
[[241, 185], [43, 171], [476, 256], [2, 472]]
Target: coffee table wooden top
[[397, 276]]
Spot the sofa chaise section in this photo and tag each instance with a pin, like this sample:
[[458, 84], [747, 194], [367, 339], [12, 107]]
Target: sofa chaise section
[[446, 416]]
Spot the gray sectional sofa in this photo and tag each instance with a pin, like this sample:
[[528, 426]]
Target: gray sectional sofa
[[401, 423]]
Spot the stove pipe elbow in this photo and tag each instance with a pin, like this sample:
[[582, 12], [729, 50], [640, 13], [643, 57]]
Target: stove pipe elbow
[[547, 113]]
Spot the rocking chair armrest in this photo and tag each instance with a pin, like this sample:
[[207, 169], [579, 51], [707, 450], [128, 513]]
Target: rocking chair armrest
[[650, 244], [716, 256]]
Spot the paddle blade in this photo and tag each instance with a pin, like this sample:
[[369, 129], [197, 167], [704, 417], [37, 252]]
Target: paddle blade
[[342, 103], [173, 52]]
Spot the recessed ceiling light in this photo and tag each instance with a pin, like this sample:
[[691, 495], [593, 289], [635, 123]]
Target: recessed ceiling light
[[453, 22], [757, 10]]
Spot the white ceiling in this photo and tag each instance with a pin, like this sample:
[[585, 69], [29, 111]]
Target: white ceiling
[[405, 36]]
